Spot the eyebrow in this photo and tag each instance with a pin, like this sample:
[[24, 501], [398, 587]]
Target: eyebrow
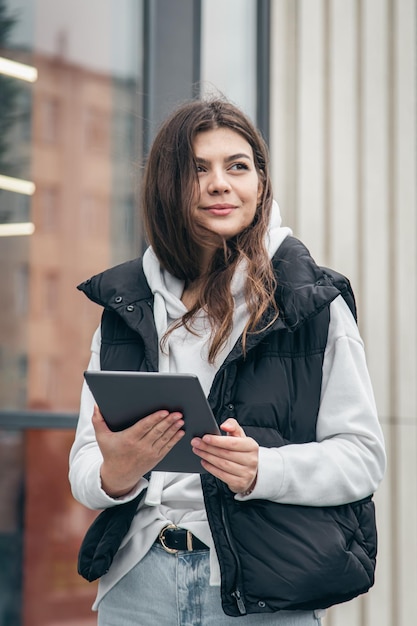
[[232, 157]]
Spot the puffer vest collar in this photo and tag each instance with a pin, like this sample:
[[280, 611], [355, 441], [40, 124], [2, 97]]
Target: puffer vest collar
[[303, 290]]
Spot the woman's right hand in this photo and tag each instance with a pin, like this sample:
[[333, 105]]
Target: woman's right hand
[[128, 454]]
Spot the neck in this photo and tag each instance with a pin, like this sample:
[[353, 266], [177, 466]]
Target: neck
[[191, 293]]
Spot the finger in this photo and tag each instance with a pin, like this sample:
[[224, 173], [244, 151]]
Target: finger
[[99, 423], [168, 440], [148, 423], [226, 466], [238, 483], [164, 432], [153, 426], [228, 459], [231, 444], [233, 428], [162, 429]]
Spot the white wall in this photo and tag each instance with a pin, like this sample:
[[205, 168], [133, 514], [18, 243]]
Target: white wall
[[343, 148]]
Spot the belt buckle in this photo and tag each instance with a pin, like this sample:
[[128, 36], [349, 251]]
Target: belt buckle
[[161, 537]]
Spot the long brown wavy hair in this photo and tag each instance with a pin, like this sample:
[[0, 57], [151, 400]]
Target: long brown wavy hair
[[169, 195]]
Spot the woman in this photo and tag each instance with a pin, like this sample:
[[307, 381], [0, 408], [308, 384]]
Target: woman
[[269, 532]]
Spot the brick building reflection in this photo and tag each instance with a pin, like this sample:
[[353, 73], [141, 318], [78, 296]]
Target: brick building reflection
[[71, 167], [81, 149]]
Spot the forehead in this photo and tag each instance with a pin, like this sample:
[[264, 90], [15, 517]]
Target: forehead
[[220, 142]]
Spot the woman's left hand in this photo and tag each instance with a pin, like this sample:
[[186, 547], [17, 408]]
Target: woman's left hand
[[232, 459]]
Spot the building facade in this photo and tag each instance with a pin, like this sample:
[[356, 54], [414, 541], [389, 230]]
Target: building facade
[[332, 86]]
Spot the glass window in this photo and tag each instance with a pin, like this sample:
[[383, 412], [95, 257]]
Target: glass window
[[50, 293], [21, 283], [228, 51], [96, 129], [49, 119], [70, 131], [48, 210], [40, 529], [71, 89]]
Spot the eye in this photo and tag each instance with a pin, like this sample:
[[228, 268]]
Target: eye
[[239, 166], [200, 168]]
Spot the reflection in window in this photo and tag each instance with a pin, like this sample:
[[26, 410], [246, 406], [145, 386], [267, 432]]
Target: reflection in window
[[6, 213], [14, 207], [49, 379], [24, 115], [11, 523], [129, 226], [46, 375], [21, 289], [94, 210], [49, 210], [96, 129], [22, 365], [124, 138], [235, 51], [89, 317], [80, 157], [50, 294], [50, 119], [9, 94]]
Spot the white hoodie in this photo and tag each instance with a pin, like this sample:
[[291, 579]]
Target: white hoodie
[[346, 463]]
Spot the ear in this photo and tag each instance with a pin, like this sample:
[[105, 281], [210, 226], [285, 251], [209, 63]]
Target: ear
[[260, 184]]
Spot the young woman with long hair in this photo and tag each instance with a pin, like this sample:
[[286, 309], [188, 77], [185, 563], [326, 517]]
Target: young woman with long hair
[[280, 522]]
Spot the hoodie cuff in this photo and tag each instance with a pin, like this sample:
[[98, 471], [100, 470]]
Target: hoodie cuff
[[270, 480]]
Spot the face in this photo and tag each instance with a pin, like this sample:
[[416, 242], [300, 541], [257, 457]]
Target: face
[[230, 187]]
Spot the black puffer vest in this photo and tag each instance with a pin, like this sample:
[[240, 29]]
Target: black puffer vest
[[272, 556]]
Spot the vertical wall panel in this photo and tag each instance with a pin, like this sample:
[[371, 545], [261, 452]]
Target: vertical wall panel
[[343, 140], [310, 189], [406, 527], [344, 165], [284, 102], [405, 202], [404, 307], [344, 615], [378, 605], [375, 221], [375, 202]]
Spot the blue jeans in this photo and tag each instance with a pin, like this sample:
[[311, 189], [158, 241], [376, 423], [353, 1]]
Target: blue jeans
[[173, 590]]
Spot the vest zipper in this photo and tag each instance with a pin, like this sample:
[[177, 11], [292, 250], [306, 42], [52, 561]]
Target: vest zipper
[[239, 601], [236, 594]]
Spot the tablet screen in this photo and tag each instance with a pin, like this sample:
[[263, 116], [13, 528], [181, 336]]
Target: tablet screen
[[126, 397]]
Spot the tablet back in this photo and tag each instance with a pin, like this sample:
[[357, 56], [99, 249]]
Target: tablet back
[[126, 397]]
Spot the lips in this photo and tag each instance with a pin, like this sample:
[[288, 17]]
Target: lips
[[220, 209]]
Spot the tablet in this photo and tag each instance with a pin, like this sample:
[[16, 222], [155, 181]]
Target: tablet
[[126, 397]]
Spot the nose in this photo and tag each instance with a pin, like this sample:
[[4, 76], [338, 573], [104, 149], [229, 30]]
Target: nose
[[218, 182]]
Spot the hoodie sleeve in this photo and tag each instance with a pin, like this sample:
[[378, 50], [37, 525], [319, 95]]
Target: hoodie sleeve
[[85, 456], [347, 461]]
